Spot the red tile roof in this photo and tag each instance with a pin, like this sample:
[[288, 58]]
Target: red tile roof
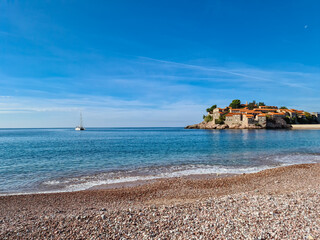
[[269, 109], [276, 114], [232, 114]]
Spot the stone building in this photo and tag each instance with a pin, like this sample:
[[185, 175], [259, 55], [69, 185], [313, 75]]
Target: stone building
[[233, 118], [248, 119], [218, 112], [277, 115], [316, 116], [261, 119], [288, 112]]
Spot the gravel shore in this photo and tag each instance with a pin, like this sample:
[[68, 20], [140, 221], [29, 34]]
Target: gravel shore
[[280, 203]]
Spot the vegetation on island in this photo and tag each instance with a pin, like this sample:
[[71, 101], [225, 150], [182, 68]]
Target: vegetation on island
[[221, 119], [235, 103], [210, 109], [207, 118]]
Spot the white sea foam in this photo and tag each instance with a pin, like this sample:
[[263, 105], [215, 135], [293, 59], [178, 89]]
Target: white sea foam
[[53, 182], [80, 184], [297, 159], [89, 181]]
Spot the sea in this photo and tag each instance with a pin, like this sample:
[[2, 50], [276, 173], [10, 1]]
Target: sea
[[64, 160]]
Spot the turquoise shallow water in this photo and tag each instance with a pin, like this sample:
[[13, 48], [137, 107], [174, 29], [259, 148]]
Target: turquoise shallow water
[[49, 160]]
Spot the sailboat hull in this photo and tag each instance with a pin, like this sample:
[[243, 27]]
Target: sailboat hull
[[80, 127]]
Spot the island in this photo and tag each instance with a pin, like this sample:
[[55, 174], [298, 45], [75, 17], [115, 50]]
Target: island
[[254, 115]]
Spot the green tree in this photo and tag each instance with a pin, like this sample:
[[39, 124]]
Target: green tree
[[294, 120], [235, 103], [309, 117], [221, 119], [261, 104], [283, 107], [288, 120], [302, 120], [208, 118], [210, 110], [252, 105]]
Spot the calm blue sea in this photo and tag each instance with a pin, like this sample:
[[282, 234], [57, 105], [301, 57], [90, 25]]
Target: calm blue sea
[[50, 160]]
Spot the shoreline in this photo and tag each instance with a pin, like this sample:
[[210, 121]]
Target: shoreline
[[214, 207], [147, 181], [305, 126], [142, 183], [100, 181], [128, 184], [129, 181], [150, 181]]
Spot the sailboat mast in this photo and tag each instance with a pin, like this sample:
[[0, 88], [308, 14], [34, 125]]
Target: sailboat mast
[[80, 127]]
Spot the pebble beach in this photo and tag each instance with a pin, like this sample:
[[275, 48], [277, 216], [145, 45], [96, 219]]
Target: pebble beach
[[279, 203]]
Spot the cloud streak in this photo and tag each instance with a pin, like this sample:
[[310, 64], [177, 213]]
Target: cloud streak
[[244, 74]]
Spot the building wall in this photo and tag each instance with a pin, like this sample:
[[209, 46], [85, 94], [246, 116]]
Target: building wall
[[262, 121], [229, 120], [245, 121], [216, 115], [316, 115], [277, 116], [235, 119], [242, 119], [292, 115]]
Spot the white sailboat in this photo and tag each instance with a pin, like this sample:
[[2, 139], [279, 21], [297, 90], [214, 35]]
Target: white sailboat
[[80, 127]]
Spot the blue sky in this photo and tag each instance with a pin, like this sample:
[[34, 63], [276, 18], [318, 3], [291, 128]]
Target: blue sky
[[153, 63]]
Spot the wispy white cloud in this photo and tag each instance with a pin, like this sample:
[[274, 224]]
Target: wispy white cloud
[[247, 74]]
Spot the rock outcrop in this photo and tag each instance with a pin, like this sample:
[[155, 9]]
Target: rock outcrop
[[205, 125], [277, 123], [242, 126]]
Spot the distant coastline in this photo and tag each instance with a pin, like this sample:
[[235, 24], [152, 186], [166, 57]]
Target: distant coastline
[[256, 116]]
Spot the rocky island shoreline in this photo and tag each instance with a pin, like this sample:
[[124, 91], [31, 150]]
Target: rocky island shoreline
[[277, 124], [254, 116]]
